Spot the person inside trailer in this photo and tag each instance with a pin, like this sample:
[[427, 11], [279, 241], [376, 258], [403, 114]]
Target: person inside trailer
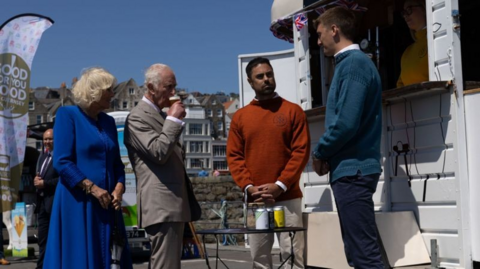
[[414, 62]]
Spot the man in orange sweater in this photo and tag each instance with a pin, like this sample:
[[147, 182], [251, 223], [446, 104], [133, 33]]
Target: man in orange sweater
[[268, 147]]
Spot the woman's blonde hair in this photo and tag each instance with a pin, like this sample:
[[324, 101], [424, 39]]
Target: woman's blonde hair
[[89, 88]]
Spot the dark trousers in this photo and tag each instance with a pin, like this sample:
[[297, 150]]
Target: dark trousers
[[43, 224], [353, 196], [2, 255]]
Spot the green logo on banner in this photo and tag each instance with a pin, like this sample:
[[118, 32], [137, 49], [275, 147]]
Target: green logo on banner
[[14, 83]]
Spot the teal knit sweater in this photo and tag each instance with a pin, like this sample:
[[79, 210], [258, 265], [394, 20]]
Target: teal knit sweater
[[353, 123]]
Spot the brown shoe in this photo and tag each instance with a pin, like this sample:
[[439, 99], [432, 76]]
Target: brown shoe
[[4, 262]]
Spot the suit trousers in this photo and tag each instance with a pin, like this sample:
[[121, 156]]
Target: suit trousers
[[261, 244], [353, 196], [2, 255], [166, 240], [43, 219]]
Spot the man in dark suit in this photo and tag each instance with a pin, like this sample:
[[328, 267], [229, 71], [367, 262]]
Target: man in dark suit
[[46, 182]]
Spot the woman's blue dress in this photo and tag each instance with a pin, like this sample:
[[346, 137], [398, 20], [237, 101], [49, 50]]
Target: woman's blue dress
[[80, 229]]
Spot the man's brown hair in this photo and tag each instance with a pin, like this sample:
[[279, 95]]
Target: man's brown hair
[[343, 18]]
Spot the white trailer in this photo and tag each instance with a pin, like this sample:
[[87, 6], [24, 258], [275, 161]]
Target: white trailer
[[437, 175]]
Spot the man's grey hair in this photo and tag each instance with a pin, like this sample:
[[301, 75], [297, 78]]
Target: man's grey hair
[[152, 75]]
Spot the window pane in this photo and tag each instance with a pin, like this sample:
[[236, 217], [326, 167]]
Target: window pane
[[196, 146], [195, 129], [196, 163], [219, 150], [220, 165]]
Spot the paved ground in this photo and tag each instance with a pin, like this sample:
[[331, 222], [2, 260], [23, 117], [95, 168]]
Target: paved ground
[[234, 257]]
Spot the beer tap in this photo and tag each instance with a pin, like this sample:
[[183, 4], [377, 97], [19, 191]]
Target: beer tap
[[367, 46]]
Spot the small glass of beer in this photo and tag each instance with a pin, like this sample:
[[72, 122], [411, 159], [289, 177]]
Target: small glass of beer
[[174, 99]]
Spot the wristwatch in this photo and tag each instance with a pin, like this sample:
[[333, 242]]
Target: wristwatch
[[315, 156]]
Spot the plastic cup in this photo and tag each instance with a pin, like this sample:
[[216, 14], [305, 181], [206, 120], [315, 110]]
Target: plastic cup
[[174, 99]]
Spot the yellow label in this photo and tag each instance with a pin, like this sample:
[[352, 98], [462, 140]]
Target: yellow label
[[279, 216]]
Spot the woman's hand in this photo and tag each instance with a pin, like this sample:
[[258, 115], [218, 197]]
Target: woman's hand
[[117, 196], [102, 196]]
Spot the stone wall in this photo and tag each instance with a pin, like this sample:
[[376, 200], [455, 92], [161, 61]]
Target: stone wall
[[210, 192]]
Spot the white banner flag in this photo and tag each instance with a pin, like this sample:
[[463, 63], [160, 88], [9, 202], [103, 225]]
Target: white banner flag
[[19, 39]]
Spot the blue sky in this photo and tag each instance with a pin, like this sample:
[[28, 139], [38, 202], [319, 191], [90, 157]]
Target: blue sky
[[200, 40]]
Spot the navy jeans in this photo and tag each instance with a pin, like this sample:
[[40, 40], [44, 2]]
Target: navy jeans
[[353, 196]]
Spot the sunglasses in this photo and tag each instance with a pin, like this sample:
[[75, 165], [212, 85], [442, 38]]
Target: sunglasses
[[409, 10]]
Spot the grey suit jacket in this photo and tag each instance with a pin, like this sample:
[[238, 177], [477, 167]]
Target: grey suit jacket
[[157, 161]]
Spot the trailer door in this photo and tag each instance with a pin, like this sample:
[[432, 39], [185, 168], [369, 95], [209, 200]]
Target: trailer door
[[445, 64], [302, 66]]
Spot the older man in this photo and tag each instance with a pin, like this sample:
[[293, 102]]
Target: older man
[[151, 137], [46, 182]]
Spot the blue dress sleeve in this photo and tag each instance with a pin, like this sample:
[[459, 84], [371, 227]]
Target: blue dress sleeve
[[119, 167], [64, 156]]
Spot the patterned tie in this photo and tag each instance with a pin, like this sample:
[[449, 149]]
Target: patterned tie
[[43, 171]]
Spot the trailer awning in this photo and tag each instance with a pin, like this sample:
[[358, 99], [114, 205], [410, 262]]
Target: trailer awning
[[285, 12], [284, 8]]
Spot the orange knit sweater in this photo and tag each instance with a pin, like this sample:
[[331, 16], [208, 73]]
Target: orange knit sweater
[[269, 141]]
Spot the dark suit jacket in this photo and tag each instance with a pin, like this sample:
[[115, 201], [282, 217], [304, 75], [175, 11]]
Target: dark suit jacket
[[50, 178]]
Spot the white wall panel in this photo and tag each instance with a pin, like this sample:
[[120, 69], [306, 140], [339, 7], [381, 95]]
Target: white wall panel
[[313, 178], [448, 245], [472, 110], [431, 162], [438, 218], [379, 195], [436, 190], [320, 195]]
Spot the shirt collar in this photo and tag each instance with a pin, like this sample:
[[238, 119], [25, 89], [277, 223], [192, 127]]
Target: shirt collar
[[351, 47], [146, 100]]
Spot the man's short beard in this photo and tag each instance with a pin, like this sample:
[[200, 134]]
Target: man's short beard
[[266, 92]]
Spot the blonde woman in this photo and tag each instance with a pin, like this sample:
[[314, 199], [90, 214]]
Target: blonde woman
[[414, 63], [92, 179]]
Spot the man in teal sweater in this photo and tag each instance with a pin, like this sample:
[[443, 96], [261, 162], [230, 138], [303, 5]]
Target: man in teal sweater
[[351, 142]]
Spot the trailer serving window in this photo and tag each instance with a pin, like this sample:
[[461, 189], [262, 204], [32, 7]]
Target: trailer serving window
[[383, 35]]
